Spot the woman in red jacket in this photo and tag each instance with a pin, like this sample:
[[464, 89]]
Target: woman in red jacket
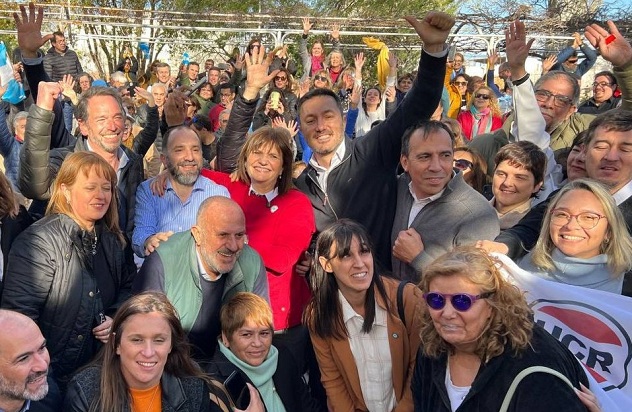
[[483, 114]]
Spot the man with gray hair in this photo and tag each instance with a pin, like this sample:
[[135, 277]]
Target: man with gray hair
[[202, 267], [24, 362], [118, 79]]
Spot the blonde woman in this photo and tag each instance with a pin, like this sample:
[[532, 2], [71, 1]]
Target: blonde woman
[[583, 241], [483, 114]]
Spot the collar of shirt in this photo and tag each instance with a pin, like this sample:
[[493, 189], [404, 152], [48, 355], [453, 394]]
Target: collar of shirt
[[623, 194], [201, 268], [269, 196], [122, 157], [335, 161], [198, 185], [348, 313], [25, 407], [425, 200]]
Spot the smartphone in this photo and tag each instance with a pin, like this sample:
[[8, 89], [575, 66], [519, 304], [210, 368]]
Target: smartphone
[[452, 52], [236, 386], [132, 90], [274, 100]]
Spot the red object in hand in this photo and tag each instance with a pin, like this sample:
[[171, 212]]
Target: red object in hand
[[610, 39]]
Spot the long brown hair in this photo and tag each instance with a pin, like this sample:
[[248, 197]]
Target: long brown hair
[[114, 390], [85, 162]]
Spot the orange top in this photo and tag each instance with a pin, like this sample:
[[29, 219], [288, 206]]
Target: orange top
[[146, 400]]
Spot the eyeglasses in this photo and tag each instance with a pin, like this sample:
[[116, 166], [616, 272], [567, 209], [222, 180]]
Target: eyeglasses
[[482, 96], [585, 220], [321, 78], [281, 79], [560, 99], [460, 301], [463, 164], [461, 83], [602, 84]]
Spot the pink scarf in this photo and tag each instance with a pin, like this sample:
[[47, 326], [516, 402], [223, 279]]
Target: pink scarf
[[482, 121], [317, 64]]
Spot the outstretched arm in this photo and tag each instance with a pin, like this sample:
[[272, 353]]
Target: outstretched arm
[[243, 110]]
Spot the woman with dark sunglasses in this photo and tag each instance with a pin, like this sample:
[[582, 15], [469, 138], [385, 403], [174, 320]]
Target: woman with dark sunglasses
[[478, 334], [365, 334], [482, 115], [473, 166]]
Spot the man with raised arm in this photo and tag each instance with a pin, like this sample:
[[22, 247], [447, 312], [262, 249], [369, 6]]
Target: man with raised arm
[[356, 179]]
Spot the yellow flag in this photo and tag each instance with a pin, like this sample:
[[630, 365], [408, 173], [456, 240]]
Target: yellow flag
[[382, 59]]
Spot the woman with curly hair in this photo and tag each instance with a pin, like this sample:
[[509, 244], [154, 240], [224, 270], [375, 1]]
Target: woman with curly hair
[[478, 334], [482, 115]]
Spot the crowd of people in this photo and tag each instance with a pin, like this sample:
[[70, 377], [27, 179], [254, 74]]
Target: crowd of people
[[266, 235]]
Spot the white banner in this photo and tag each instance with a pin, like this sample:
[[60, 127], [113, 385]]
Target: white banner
[[596, 327]]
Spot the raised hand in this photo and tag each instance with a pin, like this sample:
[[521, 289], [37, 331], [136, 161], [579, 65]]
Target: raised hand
[[257, 72], [47, 93], [335, 31], [359, 60], [517, 48], [433, 29], [617, 51], [290, 126], [392, 63], [144, 94], [578, 40], [29, 27], [67, 84], [307, 25], [492, 59], [549, 62]]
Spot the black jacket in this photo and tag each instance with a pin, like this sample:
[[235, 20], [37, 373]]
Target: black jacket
[[178, 394], [538, 392], [364, 186], [287, 380], [55, 281], [39, 165], [57, 65]]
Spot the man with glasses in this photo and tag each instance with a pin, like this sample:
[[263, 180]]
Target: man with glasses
[[226, 97], [603, 99], [568, 60]]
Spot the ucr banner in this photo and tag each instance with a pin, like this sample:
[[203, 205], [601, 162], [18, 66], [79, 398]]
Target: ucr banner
[[594, 325]]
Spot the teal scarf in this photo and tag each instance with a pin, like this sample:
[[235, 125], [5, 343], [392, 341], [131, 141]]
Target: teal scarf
[[260, 375]]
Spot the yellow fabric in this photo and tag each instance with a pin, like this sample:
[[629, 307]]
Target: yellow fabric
[[146, 400], [382, 59]]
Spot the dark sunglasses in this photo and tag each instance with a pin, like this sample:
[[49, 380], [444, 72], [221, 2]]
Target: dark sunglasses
[[463, 164], [321, 78], [461, 83], [460, 301], [482, 96], [280, 78]]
